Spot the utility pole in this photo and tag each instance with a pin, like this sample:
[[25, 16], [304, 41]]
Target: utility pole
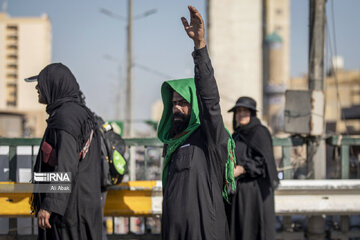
[[316, 145], [129, 76], [317, 44], [316, 149], [129, 130], [118, 113], [129, 93]]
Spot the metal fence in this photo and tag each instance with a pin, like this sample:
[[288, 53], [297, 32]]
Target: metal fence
[[17, 156]]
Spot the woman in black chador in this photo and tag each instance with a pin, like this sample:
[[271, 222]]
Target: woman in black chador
[[251, 215], [70, 144]]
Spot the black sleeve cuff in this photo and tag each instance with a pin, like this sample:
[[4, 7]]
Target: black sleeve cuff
[[53, 205], [199, 54]]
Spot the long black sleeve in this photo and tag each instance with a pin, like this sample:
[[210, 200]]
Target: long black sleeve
[[67, 161], [208, 99], [254, 164]]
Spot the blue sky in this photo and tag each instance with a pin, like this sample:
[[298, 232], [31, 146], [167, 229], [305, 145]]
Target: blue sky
[[82, 36]]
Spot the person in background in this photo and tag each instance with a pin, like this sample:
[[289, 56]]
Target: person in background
[[251, 215]]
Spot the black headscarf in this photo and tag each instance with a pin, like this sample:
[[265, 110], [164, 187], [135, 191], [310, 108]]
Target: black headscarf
[[66, 108], [258, 138], [58, 86]]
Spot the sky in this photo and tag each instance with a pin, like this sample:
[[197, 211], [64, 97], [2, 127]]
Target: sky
[[93, 45]]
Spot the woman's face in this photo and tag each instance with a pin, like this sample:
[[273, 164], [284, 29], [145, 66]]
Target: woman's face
[[242, 116]]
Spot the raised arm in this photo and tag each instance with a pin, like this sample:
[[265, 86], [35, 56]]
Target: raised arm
[[207, 91]]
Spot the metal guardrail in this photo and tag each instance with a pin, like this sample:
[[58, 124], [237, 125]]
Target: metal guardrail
[[344, 142], [143, 198]]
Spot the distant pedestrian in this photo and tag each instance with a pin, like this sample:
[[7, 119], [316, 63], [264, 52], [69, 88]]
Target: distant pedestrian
[[252, 215]]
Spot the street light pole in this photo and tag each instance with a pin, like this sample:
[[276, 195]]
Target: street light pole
[[120, 91], [129, 76], [316, 147], [129, 93], [129, 130]]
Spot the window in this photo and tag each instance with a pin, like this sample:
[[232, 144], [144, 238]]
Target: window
[[12, 37], [12, 66], [12, 27], [11, 85], [12, 56], [12, 46], [11, 75], [11, 103]]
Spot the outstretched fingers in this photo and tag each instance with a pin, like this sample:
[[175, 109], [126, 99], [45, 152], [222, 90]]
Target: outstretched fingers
[[185, 23], [194, 13]]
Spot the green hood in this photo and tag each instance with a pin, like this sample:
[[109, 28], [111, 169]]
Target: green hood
[[187, 89]]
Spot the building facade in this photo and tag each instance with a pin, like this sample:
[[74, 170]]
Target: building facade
[[235, 46], [244, 65], [276, 62], [342, 94], [25, 48]]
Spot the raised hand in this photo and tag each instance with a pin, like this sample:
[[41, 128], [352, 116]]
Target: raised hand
[[195, 30]]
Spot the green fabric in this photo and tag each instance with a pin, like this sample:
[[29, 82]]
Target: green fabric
[[187, 89], [230, 184]]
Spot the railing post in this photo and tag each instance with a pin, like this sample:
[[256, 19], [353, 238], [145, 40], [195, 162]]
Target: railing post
[[12, 163], [12, 177], [146, 158], [345, 226], [345, 161], [286, 155]]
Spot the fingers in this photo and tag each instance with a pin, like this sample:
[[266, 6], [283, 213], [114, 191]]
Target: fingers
[[47, 223], [194, 13], [43, 219], [185, 23], [41, 222]]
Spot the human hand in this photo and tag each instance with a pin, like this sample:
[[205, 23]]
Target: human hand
[[238, 170], [195, 30], [43, 219]]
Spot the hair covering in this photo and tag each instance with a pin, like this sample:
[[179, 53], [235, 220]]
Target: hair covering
[[246, 102], [187, 89]]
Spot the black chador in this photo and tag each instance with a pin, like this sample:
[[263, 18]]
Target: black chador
[[75, 215], [251, 215], [193, 206]]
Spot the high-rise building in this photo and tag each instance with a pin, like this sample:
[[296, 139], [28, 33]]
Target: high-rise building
[[25, 48]]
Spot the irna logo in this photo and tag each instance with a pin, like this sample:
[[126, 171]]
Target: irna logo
[[52, 177]]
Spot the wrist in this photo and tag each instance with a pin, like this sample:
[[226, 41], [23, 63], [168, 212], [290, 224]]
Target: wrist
[[243, 170], [199, 44]]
